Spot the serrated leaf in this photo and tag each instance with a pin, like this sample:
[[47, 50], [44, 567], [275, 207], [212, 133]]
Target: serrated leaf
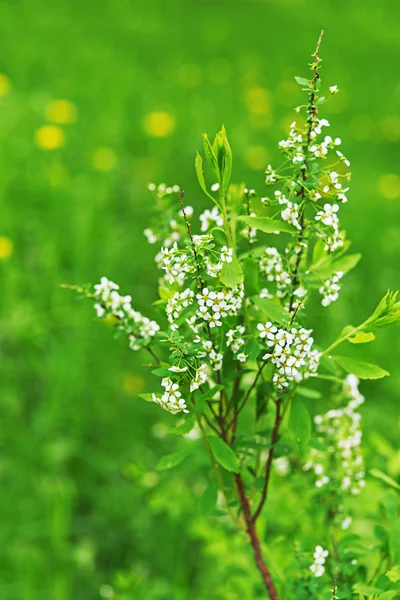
[[208, 499], [224, 454], [362, 370], [273, 310], [300, 422], [302, 81], [183, 428], [386, 478], [171, 460], [231, 274], [268, 225]]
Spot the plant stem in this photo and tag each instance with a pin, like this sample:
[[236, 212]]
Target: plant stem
[[268, 466], [312, 113], [255, 540]]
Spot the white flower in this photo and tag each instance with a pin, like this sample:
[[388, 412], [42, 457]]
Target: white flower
[[333, 89], [317, 567], [226, 254], [291, 215], [270, 175], [200, 378], [208, 217]]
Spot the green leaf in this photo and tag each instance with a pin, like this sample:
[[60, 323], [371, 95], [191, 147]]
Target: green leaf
[[302, 81], [208, 499], [362, 337], [162, 372], [395, 541], [210, 155], [184, 427], [273, 310], [268, 225], [251, 272], [394, 574], [147, 397], [389, 595], [171, 460], [362, 370], [327, 267], [198, 163], [231, 274], [386, 478], [308, 393], [224, 454], [387, 313], [300, 422], [360, 588], [226, 163]]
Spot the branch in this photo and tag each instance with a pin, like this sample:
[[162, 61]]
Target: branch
[[268, 466], [254, 539]]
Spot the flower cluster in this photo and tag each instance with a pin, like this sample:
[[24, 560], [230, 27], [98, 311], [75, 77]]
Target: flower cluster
[[211, 218], [290, 352], [109, 303], [331, 288], [209, 352], [332, 236], [176, 304], [320, 555], [339, 430], [176, 264], [234, 340], [214, 306], [171, 400]]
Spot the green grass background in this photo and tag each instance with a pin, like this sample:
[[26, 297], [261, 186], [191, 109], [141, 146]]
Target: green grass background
[[80, 499]]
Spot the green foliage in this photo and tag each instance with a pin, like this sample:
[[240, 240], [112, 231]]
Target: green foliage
[[224, 454], [360, 369], [78, 449]]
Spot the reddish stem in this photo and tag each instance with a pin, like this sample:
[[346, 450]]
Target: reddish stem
[[255, 540]]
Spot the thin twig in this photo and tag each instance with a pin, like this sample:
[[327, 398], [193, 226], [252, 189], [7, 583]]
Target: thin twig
[[268, 466]]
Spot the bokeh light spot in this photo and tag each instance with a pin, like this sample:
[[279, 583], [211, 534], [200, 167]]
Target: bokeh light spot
[[389, 186], [256, 157], [390, 128], [49, 137], [159, 124], [104, 159], [133, 383], [4, 84], [6, 248], [61, 112], [258, 100]]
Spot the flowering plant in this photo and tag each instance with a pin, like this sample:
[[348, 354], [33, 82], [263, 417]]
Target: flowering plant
[[235, 357]]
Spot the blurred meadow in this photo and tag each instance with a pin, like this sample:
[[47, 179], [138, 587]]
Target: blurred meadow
[[97, 100]]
